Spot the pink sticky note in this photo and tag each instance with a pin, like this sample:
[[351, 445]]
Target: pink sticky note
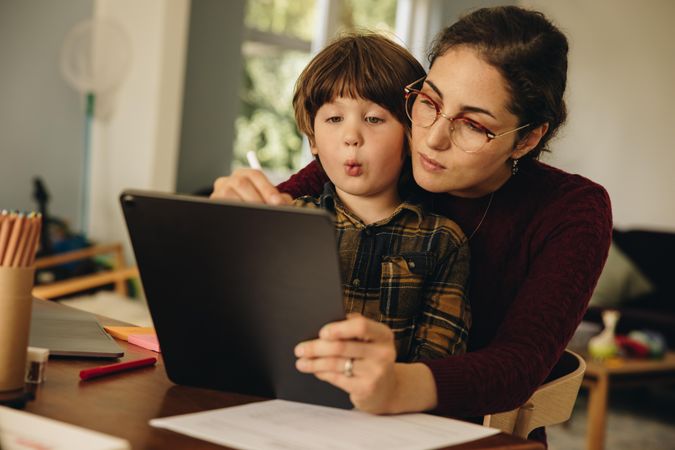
[[148, 341]]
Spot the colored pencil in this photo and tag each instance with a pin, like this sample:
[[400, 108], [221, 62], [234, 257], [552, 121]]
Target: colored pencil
[[35, 242], [5, 228], [17, 228], [19, 238], [22, 242]]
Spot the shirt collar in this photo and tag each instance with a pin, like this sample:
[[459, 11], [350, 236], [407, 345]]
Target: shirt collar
[[330, 201]]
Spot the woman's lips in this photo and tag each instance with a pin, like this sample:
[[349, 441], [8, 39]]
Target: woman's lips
[[430, 164], [353, 169]]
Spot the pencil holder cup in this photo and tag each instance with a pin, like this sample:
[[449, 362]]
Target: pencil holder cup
[[16, 301]]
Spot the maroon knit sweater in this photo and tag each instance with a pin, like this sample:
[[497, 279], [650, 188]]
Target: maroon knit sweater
[[535, 261]]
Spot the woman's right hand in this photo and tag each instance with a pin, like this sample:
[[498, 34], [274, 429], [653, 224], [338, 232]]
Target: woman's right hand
[[374, 381], [249, 185]]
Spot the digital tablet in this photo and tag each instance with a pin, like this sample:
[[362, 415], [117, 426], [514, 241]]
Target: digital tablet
[[232, 289]]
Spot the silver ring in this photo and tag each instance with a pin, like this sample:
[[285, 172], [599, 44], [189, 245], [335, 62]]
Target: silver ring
[[348, 369]]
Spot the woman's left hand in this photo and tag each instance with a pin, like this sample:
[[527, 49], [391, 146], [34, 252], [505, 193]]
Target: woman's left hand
[[358, 356]]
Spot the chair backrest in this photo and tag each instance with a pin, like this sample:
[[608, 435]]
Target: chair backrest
[[118, 274], [551, 403]]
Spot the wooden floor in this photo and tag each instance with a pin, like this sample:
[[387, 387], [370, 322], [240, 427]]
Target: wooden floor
[[638, 419]]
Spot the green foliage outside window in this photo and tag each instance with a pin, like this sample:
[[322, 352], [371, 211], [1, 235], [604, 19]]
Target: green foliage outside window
[[266, 123], [286, 17]]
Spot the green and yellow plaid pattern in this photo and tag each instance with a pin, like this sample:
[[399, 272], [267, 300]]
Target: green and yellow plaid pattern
[[408, 271]]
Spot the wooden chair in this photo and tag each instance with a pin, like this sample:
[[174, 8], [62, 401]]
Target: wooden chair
[[119, 274], [551, 403]]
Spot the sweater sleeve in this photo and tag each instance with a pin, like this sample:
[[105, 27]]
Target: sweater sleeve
[[309, 181], [568, 248]]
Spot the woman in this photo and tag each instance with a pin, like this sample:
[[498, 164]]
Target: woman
[[539, 237]]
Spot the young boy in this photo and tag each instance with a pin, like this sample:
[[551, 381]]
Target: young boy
[[400, 265]]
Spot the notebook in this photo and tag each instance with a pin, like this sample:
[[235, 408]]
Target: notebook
[[68, 331], [233, 287]]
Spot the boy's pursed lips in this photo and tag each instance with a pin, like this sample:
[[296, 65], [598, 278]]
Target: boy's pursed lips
[[353, 168]]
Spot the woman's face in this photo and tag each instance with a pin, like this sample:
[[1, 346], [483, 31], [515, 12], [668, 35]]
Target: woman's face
[[465, 86]]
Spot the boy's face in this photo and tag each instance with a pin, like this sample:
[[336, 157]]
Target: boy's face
[[361, 147]]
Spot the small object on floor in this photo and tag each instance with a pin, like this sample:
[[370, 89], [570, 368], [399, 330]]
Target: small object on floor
[[603, 346], [632, 348], [653, 340]]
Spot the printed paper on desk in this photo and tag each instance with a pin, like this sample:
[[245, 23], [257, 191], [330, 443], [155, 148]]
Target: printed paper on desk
[[280, 425], [20, 430]]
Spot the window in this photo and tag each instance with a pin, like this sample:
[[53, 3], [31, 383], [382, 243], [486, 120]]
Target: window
[[280, 36]]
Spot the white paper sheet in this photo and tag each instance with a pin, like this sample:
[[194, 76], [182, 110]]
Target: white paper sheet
[[20, 430], [284, 425]]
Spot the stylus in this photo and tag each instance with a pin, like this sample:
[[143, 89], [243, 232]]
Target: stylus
[[114, 368], [253, 160]]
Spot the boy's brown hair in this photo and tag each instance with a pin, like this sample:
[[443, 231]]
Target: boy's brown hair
[[363, 65]]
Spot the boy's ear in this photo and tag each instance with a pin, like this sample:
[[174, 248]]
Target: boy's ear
[[313, 149]]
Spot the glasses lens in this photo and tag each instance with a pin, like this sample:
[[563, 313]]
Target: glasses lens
[[468, 135], [421, 109]]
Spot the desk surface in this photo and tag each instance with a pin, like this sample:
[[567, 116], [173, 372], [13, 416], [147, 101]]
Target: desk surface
[[122, 404]]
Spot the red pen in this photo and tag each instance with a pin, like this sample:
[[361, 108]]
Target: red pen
[[114, 368]]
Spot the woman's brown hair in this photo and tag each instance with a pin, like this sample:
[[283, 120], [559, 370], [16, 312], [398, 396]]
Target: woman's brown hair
[[530, 53]]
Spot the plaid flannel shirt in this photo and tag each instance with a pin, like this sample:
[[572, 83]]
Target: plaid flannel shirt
[[408, 271]]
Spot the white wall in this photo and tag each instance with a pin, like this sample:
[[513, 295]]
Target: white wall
[[621, 87], [213, 79], [138, 146], [41, 117], [620, 98]]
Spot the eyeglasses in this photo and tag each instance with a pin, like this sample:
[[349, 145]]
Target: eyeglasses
[[468, 135]]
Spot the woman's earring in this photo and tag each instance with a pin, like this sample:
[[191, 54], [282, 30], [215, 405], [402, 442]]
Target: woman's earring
[[514, 167]]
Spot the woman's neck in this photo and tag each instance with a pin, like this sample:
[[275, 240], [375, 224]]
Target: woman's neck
[[484, 188]]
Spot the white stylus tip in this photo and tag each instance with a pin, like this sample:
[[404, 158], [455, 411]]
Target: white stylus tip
[[253, 160]]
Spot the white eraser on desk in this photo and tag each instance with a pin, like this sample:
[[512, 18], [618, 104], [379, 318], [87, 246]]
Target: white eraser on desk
[[37, 354]]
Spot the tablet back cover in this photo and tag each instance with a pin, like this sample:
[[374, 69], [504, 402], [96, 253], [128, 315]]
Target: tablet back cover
[[233, 287]]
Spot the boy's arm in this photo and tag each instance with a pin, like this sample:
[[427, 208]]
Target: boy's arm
[[446, 317]]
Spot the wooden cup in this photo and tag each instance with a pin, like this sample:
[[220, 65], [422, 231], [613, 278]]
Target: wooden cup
[[16, 284]]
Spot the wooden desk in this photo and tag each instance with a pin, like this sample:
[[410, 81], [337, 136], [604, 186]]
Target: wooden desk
[[618, 372], [122, 404]]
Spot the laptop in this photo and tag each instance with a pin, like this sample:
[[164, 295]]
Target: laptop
[[68, 331], [233, 287]]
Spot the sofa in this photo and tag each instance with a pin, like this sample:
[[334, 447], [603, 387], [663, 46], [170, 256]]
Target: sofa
[[639, 281]]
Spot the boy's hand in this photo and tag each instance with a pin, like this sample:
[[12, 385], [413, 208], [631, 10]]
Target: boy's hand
[[249, 185]]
